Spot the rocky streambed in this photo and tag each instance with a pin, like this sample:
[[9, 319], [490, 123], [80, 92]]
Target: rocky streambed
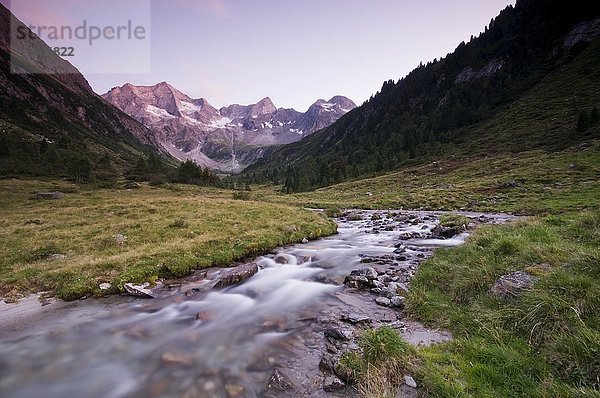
[[275, 327]]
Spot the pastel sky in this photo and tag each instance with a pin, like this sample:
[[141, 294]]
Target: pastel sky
[[294, 51]]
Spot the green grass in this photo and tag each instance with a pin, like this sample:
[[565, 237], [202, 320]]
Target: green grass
[[545, 183], [169, 232], [377, 369], [453, 220], [543, 343]]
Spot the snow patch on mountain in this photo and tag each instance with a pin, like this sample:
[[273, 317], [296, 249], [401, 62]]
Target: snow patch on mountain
[[227, 139]]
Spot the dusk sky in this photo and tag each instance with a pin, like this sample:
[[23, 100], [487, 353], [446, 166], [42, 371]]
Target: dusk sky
[[294, 51]]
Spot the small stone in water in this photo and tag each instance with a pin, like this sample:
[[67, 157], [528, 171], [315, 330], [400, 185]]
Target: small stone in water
[[332, 384], [335, 334], [279, 381], [397, 301], [234, 390], [177, 358], [138, 290], [383, 301]]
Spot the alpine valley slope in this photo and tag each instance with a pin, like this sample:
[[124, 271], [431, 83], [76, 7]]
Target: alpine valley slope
[[449, 107], [52, 122], [227, 139]]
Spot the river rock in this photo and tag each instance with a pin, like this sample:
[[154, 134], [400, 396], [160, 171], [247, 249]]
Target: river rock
[[357, 282], [336, 334], [177, 358], [390, 290], [327, 363], [383, 301], [281, 259], [138, 290], [368, 272], [333, 383], [440, 232], [355, 319], [279, 382], [512, 284], [236, 275], [397, 301], [49, 195], [105, 286], [377, 284]]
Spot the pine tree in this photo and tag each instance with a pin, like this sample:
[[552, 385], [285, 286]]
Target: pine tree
[[4, 149], [188, 172], [595, 117], [43, 145], [583, 122]]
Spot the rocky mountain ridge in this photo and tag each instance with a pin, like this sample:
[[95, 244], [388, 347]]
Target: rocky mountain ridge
[[226, 139]]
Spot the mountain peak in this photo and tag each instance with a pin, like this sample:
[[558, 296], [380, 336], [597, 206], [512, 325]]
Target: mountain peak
[[263, 107]]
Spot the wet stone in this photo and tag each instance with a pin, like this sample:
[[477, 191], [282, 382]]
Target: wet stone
[[377, 284], [138, 290], [332, 384], [237, 275], [397, 301], [177, 358], [280, 382], [336, 334], [327, 363], [355, 319], [357, 282], [368, 273], [383, 301]]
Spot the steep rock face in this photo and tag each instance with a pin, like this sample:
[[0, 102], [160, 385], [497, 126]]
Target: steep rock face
[[227, 139]]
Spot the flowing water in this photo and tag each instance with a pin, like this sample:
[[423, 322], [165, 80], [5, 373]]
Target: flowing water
[[194, 341]]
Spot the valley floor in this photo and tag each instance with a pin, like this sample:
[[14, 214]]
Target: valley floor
[[544, 342]]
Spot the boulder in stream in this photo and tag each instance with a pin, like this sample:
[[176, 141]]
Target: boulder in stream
[[138, 290], [236, 275]]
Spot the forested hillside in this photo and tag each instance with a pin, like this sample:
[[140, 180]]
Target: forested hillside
[[440, 108]]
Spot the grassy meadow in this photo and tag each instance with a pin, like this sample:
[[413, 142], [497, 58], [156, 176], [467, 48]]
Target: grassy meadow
[[542, 343], [135, 235]]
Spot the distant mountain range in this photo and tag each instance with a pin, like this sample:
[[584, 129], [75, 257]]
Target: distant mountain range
[[227, 139]]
